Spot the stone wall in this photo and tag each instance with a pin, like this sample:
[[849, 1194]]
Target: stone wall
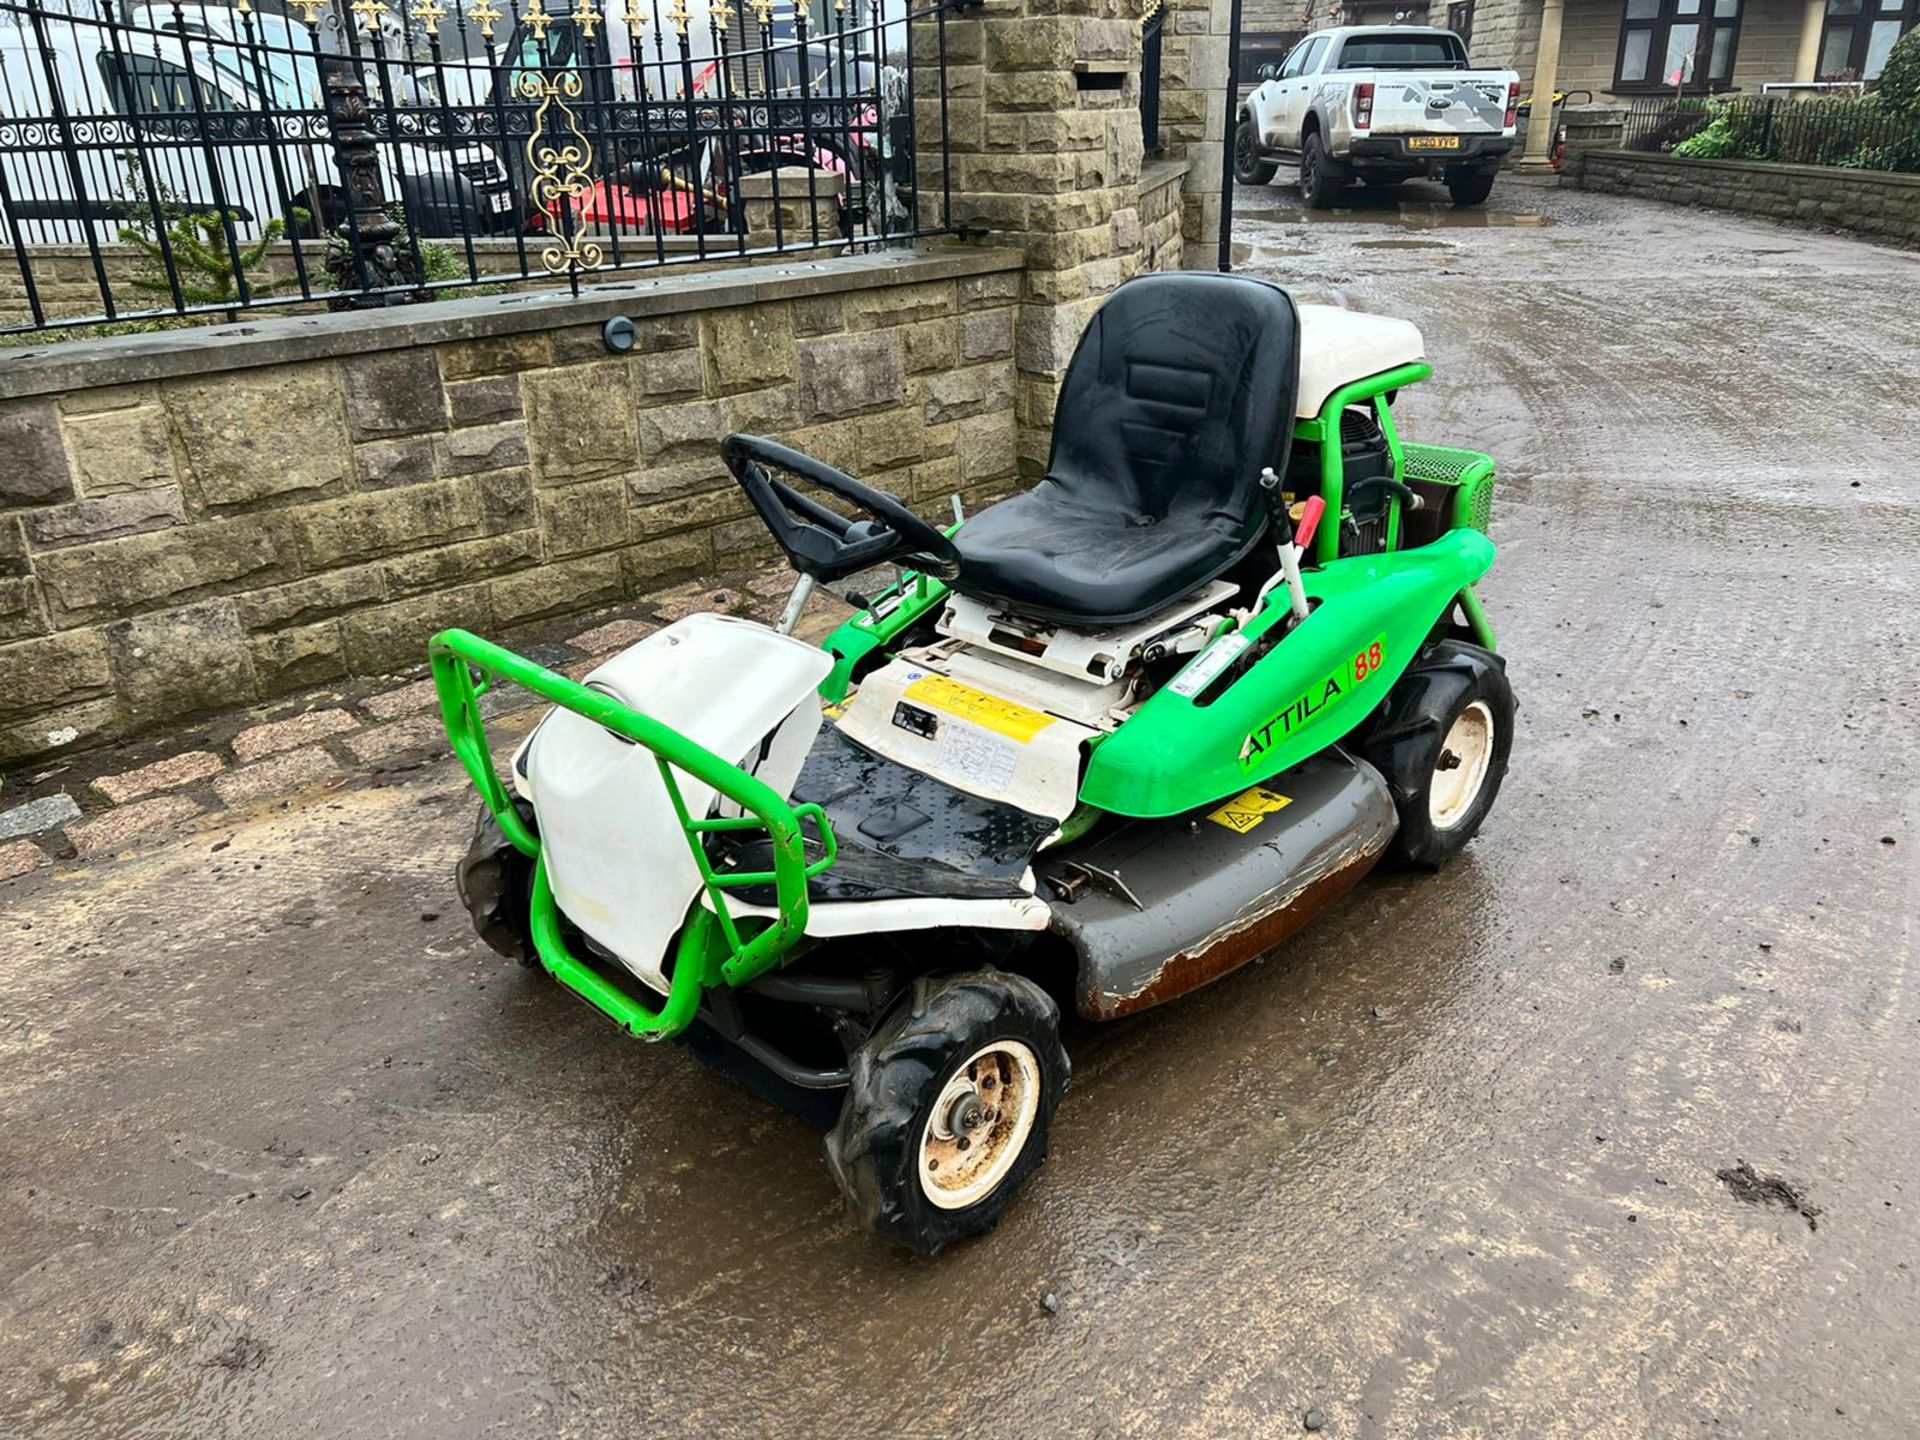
[[1884, 207], [202, 519], [1194, 51], [1161, 190], [67, 284]]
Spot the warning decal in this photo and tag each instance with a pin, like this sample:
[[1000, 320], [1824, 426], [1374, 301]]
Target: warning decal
[[1245, 812], [989, 712]]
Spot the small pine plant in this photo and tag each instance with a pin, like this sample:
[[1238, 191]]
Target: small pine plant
[[207, 267]]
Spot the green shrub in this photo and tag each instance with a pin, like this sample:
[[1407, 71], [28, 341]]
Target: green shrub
[[1899, 89]]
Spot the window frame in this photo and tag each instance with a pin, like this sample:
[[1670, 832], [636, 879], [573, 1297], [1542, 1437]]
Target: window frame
[[1659, 28], [1908, 16]]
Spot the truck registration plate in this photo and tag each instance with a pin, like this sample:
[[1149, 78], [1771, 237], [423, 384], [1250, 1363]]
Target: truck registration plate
[[1433, 142]]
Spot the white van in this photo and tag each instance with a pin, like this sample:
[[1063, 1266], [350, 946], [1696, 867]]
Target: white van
[[138, 101]]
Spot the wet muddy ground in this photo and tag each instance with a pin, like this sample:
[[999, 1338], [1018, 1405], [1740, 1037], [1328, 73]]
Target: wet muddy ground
[[286, 1152]]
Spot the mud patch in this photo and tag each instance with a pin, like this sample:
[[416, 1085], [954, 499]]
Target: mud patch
[[1750, 1185]]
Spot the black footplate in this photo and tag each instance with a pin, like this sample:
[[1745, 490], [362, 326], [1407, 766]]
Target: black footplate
[[902, 834]]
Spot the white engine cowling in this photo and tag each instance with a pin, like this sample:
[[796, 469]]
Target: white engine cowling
[[616, 855]]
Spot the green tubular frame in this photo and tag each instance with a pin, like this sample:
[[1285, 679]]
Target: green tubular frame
[[712, 949], [1325, 428]]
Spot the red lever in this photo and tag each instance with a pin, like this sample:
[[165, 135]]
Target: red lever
[[1310, 514]]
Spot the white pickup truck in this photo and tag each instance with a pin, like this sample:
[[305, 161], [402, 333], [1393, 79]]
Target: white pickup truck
[[1381, 104]]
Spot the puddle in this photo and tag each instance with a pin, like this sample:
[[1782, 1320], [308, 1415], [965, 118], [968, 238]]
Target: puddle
[[1412, 216], [1401, 245]]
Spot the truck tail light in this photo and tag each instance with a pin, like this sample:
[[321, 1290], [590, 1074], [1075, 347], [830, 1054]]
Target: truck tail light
[[1513, 106], [1363, 105]]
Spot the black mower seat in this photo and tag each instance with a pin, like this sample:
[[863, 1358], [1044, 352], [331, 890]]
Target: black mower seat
[[1181, 390]]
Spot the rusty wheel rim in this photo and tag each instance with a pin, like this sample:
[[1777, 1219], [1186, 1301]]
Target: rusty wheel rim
[[1465, 757], [979, 1124]]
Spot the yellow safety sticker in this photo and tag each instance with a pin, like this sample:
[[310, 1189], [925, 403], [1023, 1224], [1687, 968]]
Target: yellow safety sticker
[[989, 712], [1245, 812]]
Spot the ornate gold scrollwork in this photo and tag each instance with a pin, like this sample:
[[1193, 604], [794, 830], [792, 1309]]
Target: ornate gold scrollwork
[[562, 165]]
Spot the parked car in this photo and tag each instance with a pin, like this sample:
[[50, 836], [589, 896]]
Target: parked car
[[1381, 104], [140, 103]]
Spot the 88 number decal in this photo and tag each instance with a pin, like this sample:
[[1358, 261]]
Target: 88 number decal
[[1368, 661]]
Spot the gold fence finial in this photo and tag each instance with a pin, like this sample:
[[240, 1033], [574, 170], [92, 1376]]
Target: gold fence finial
[[371, 12], [487, 13]]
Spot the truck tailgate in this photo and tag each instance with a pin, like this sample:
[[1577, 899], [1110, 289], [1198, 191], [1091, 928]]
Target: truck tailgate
[[1439, 102]]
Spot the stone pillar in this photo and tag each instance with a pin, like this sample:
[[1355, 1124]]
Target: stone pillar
[[1546, 75], [1044, 150], [805, 198], [1806, 60]]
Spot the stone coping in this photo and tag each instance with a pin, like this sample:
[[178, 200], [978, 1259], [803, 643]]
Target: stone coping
[[133, 359], [1829, 173], [1156, 173]]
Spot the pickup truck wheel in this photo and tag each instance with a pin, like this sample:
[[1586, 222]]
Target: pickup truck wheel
[[1317, 188], [1470, 187], [1248, 167]]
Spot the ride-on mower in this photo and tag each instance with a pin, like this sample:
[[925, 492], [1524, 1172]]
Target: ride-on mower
[[1100, 744]]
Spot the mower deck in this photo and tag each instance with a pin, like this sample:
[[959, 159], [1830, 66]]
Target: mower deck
[[1155, 908]]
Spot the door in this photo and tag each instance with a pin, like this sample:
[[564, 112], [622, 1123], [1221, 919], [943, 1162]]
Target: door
[[1294, 92]]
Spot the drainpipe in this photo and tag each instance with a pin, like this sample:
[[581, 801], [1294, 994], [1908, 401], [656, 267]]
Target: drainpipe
[[1806, 63], [1546, 77]]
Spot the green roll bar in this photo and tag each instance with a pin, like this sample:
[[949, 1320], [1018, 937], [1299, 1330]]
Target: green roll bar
[[1325, 429], [712, 949]]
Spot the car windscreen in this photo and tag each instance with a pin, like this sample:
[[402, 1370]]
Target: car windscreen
[[1438, 51]]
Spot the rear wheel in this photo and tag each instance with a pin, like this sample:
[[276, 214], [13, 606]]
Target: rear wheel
[[1470, 187], [1248, 167], [1317, 187], [949, 1109]]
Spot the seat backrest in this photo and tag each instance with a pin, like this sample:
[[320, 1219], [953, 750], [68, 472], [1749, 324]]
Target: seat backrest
[[1180, 391]]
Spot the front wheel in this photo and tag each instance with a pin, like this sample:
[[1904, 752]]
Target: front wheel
[[949, 1109], [1470, 187], [1248, 167], [1317, 187], [1442, 747]]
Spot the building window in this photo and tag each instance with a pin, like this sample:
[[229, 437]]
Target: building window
[[1859, 33], [1683, 44]]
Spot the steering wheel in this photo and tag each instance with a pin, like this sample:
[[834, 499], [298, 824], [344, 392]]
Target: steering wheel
[[818, 539]]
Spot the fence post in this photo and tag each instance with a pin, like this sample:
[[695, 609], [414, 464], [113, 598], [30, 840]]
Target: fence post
[[367, 260]]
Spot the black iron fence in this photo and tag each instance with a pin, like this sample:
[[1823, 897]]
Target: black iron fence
[[177, 160], [1150, 29], [1849, 131]]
